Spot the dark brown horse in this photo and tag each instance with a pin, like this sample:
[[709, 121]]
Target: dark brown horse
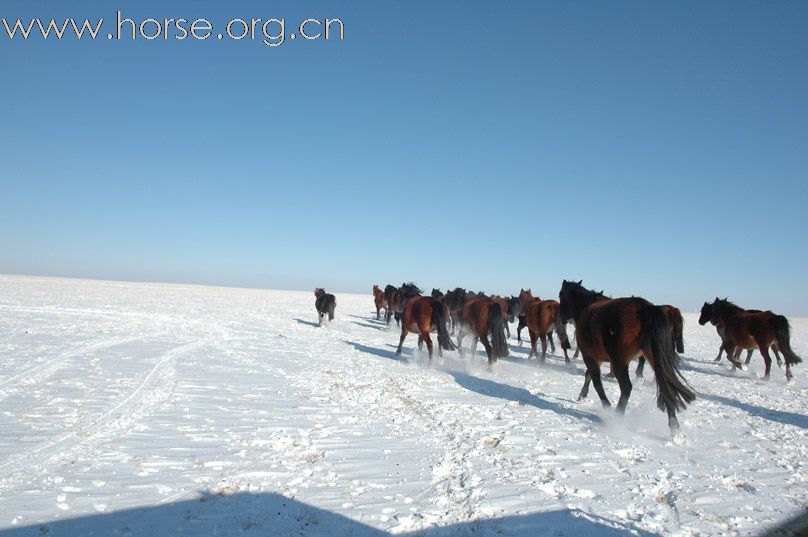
[[720, 328], [481, 317], [455, 301], [325, 303], [541, 318], [422, 315], [389, 291], [618, 331], [378, 300], [749, 330]]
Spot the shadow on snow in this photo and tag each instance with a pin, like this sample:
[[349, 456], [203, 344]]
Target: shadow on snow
[[272, 514]]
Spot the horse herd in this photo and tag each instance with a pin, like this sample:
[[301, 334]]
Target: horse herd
[[613, 330]]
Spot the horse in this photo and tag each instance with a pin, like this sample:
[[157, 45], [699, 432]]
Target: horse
[[325, 303], [505, 306], [541, 317], [749, 330], [618, 330], [437, 293], [399, 299], [422, 315], [389, 291], [525, 298], [480, 317], [455, 301], [721, 329], [378, 300]]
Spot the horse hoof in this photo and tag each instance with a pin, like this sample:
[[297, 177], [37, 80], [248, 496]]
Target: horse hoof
[[765, 378], [678, 437], [790, 380]]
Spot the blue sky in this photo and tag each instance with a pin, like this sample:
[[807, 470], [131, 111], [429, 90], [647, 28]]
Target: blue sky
[[647, 148]]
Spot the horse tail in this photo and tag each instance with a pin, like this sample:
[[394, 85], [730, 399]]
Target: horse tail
[[784, 340], [499, 343], [439, 319], [678, 330], [673, 391], [559, 326]]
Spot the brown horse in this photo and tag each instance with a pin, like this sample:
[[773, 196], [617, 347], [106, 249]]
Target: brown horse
[[422, 315], [525, 298], [480, 317], [378, 300], [542, 317], [749, 330], [618, 331], [325, 303]]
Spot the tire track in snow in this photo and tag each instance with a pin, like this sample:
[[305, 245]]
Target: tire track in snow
[[42, 371], [153, 390]]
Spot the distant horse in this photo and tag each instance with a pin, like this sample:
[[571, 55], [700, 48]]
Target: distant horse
[[749, 330], [677, 322], [325, 303], [389, 291], [618, 331], [505, 306], [378, 300], [422, 315], [720, 328], [525, 298], [541, 317], [436, 293], [455, 301], [399, 299], [481, 317]]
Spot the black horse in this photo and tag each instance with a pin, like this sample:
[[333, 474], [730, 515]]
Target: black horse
[[325, 303]]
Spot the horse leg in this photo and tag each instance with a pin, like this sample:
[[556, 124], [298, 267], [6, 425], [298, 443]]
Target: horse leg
[[544, 346], [420, 342], [777, 355], [640, 367], [522, 324], [460, 342], [488, 349], [720, 352], [764, 350], [401, 340], [585, 389], [533, 338], [552, 345], [598, 384], [507, 330], [425, 337], [749, 356], [623, 380]]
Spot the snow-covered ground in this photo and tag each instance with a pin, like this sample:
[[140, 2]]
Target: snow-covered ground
[[148, 410]]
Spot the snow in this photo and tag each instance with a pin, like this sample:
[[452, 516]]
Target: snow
[[154, 409]]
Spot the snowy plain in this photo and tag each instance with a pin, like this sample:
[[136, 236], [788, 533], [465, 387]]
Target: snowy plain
[[154, 409]]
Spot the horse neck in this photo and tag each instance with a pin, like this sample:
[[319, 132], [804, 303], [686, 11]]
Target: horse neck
[[581, 301], [725, 311]]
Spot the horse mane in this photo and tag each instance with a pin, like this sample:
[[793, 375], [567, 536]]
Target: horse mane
[[389, 288], [408, 290], [726, 303], [436, 293], [580, 289]]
